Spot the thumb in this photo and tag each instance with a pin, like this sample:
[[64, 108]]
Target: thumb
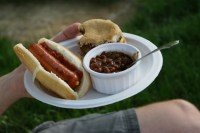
[[70, 32]]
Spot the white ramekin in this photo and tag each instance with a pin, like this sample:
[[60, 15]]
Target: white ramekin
[[112, 83]]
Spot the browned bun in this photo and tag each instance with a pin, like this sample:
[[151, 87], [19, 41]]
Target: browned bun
[[48, 79], [98, 31]]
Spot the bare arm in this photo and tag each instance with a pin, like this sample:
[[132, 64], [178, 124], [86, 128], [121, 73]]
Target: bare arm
[[12, 88]]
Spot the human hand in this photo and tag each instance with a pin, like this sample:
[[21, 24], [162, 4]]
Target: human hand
[[12, 86], [69, 33]]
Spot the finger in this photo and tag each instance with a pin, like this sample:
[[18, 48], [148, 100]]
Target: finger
[[22, 67], [70, 32]]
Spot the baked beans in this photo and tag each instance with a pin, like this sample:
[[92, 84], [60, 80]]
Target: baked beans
[[110, 61]]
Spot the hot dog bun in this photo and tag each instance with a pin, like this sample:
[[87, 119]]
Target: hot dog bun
[[99, 31], [50, 80]]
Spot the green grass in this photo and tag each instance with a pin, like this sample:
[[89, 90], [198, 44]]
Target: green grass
[[8, 60], [159, 22]]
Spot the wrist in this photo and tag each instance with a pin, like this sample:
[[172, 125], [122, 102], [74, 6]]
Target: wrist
[[7, 93], [11, 88]]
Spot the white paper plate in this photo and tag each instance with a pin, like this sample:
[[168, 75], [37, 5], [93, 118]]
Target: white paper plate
[[149, 70]]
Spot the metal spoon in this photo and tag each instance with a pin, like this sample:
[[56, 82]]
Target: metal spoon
[[165, 46]]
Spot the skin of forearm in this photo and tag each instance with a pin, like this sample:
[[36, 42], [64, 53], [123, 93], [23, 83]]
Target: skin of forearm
[[12, 88], [7, 94]]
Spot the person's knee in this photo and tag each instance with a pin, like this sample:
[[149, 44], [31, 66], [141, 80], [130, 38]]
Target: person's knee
[[174, 116], [184, 106], [188, 111]]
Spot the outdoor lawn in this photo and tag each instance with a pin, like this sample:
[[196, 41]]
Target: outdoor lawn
[[159, 22]]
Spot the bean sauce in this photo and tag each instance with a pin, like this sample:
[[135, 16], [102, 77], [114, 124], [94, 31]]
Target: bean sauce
[[109, 62]]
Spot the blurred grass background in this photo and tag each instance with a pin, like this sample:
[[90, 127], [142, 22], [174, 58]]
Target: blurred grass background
[[158, 21]]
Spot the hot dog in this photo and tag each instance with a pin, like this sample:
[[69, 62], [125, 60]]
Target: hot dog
[[54, 62], [56, 68]]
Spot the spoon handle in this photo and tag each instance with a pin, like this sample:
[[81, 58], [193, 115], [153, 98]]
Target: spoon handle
[[165, 46]]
